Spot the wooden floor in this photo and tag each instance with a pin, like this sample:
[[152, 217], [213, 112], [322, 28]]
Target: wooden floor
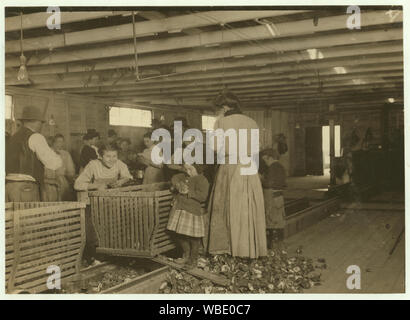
[[362, 235]]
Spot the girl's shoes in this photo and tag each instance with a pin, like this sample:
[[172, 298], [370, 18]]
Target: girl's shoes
[[192, 263], [181, 260]]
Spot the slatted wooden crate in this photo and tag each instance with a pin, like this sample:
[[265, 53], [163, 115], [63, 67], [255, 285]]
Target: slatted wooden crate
[[131, 221], [40, 235]]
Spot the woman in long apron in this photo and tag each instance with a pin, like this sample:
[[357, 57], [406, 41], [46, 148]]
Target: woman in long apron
[[236, 207]]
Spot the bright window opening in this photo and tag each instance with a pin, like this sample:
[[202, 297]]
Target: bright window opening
[[326, 144], [130, 117], [9, 107], [208, 122]]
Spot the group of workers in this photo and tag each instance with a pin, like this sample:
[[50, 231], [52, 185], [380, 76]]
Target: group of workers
[[233, 222], [40, 169]]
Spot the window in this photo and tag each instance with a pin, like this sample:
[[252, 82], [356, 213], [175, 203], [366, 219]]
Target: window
[[326, 144], [130, 117], [208, 122], [9, 107]]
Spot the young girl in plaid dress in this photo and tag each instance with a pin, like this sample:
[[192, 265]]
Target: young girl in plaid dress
[[186, 217]]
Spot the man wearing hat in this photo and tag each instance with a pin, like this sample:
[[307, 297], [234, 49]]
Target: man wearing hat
[[90, 150], [27, 156]]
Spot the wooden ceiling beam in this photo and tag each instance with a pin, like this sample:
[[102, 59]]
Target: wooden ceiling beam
[[74, 80], [271, 91], [250, 78], [274, 103], [179, 71], [308, 101], [155, 15], [260, 92], [267, 82], [144, 28], [378, 97], [299, 48], [39, 20], [344, 91], [199, 40]]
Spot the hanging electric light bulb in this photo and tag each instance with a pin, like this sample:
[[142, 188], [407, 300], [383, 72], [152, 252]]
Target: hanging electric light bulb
[[297, 125], [22, 74]]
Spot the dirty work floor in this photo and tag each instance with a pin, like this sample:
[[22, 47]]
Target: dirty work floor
[[361, 237]]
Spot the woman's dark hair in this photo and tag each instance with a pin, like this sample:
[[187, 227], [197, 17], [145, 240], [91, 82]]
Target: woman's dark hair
[[148, 134], [107, 147], [112, 133], [58, 135], [53, 139], [91, 134], [124, 140], [227, 98]]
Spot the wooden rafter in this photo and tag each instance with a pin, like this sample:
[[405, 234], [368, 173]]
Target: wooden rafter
[[144, 28], [185, 60]]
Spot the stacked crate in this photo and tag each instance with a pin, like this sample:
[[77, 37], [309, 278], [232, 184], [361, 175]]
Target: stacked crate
[[41, 236]]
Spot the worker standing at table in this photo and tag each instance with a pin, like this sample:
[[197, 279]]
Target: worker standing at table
[[125, 154], [100, 174], [112, 138], [153, 172], [27, 156], [273, 182], [64, 175]]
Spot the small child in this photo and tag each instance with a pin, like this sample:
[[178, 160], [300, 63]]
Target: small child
[[273, 183], [186, 216]]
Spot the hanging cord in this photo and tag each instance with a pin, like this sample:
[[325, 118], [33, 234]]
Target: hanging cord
[[135, 46], [21, 33], [223, 58]]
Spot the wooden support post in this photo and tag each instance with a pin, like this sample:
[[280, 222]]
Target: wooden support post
[[384, 125], [332, 144]]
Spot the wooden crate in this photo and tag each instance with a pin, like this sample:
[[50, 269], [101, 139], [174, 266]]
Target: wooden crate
[[39, 235], [131, 221]]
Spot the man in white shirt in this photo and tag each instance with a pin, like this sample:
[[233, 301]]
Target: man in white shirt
[[27, 154]]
